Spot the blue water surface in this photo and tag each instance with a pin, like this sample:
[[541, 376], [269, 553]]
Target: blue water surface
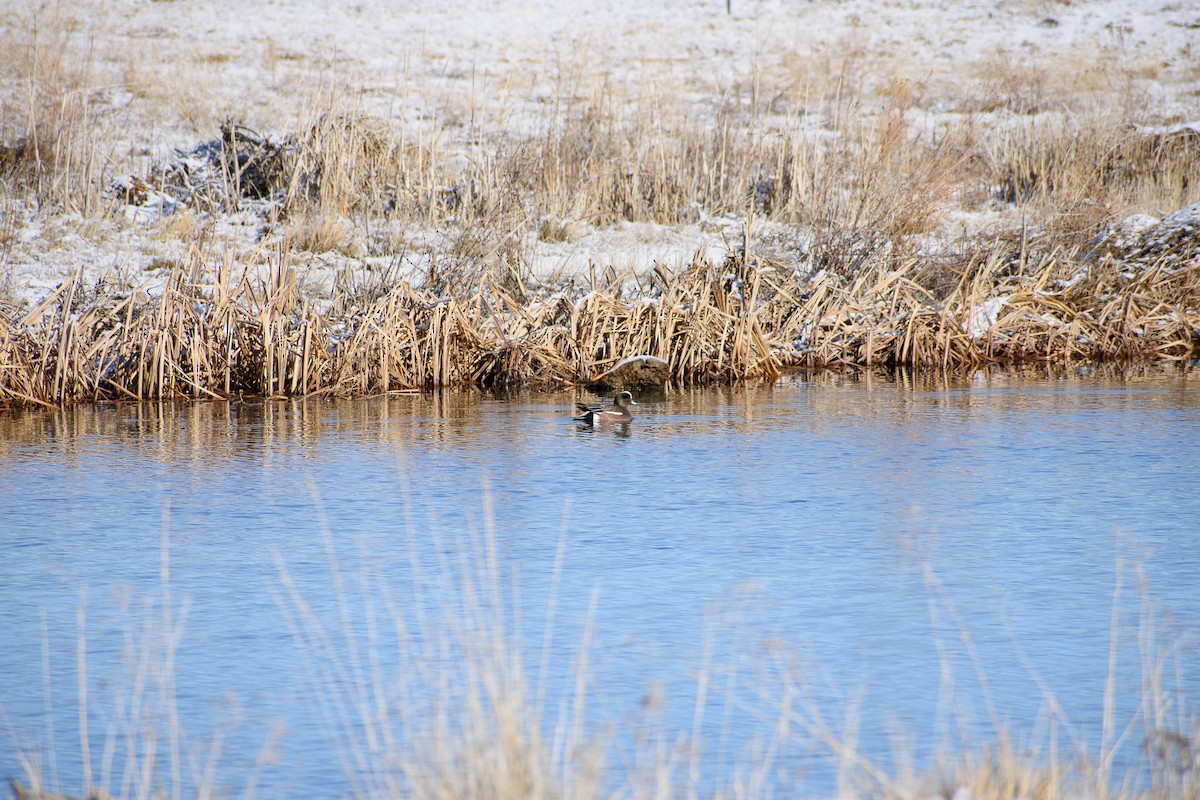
[[300, 595]]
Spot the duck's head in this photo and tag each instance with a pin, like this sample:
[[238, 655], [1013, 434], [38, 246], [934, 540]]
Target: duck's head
[[623, 399]]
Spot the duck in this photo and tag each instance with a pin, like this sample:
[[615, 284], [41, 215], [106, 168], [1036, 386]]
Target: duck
[[598, 414]]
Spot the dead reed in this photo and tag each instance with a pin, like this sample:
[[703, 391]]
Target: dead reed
[[53, 139], [857, 173], [209, 335]]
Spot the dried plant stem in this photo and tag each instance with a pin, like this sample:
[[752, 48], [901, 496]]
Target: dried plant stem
[[208, 337]]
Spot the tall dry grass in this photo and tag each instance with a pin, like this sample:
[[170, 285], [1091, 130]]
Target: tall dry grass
[[854, 166], [207, 334], [55, 147], [821, 142], [437, 686], [1075, 176]]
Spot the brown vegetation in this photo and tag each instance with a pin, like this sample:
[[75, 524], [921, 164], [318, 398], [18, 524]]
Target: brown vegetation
[[208, 335], [853, 168]]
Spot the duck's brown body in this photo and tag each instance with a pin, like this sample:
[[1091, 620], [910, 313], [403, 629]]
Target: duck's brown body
[[599, 415]]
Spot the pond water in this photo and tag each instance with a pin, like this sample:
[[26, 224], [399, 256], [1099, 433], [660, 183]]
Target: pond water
[[300, 597]]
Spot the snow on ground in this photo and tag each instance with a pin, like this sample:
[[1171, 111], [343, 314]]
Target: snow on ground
[[167, 73]]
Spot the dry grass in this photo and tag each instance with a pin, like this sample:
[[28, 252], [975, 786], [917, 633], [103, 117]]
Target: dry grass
[[53, 146], [208, 335], [825, 144], [425, 693], [852, 163], [1077, 176]]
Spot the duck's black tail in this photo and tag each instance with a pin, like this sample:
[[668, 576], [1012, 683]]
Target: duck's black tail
[[586, 413]]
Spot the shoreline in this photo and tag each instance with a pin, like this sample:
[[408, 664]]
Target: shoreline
[[207, 335], [400, 199]]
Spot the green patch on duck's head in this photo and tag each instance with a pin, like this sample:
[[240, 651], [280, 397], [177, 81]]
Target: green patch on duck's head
[[624, 399]]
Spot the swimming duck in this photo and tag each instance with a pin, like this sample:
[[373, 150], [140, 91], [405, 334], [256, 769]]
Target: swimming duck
[[593, 415]]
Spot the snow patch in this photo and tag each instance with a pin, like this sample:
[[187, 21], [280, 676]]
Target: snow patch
[[983, 316]]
